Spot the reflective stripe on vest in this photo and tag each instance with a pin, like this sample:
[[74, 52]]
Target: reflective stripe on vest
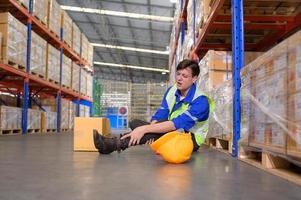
[[200, 129]]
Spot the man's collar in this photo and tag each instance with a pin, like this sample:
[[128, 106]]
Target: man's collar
[[189, 96]]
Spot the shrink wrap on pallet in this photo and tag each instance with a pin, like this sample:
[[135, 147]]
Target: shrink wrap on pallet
[[40, 10], [14, 40], [38, 55], [75, 76], [34, 119], [53, 64], [67, 28], [66, 71], [54, 17], [76, 38], [11, 118]]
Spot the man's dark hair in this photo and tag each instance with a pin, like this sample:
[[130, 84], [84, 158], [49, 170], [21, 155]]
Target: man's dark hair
[[193, 65]]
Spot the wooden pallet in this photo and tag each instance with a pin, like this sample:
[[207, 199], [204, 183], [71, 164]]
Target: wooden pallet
[[49, 130], [34, 130], [22, 4], [221, 144], [54, 34], [11, 132], [37, 17], [53, 81], [67, 44], [65, 129], [13, 64], [271, 163], [65, 86], [37, 74]]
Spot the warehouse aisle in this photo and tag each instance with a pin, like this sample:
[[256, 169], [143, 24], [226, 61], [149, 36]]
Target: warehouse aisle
[[45, 167]]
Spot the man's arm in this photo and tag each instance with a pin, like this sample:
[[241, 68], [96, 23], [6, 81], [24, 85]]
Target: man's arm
[[139, 132]]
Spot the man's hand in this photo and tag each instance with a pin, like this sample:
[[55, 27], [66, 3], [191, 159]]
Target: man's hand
[[135, 135]]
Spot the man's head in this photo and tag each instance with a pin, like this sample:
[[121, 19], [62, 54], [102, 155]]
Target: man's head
[[187, 74]]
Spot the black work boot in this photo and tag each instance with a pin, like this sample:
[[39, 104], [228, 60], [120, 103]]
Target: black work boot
[[107, 145]]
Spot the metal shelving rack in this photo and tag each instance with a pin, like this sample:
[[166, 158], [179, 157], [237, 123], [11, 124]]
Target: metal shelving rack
[[23, 80], [256, 29]]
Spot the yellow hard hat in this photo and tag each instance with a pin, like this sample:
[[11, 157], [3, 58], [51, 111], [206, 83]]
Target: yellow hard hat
[[174, 147]]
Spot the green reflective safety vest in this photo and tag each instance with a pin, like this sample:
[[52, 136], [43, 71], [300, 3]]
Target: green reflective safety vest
[[200, 129]]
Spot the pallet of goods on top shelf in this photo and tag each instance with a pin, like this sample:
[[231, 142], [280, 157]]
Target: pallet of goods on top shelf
[[76, 38], [38, 55], [14, 41], [66, 23], [66, 72], [84, 47], [270, 99], [54, 17], [53, 64], [40, 10], [90, 54]]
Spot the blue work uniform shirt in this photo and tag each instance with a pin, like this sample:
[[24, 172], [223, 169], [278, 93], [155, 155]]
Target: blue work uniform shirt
[[198, 109]]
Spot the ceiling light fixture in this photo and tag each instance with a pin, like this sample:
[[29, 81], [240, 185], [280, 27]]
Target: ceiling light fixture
[[130, 48], [118, 14], [131, 67]]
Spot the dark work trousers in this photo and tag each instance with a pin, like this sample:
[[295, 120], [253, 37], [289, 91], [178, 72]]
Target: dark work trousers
[[154, 136]]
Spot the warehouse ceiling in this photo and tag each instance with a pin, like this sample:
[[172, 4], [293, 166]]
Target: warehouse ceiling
[[126, 32]]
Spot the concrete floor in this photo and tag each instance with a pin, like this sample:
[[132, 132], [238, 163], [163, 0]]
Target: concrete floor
[[45, 167]]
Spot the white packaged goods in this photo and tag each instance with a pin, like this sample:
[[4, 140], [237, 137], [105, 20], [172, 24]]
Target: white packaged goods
[[66, 71], [14, 40], [34, 119], [54, 17], [51, 120], [11, 118], [38, 55]]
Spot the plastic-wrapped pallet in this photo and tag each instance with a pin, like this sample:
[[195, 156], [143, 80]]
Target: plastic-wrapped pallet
[[72, 111], [193, 26], [75, 76], [264, 95], [40, 10], [76, 38], [11, 118], [66, 71], [54, 17], [83, 82], [199, 11], [84, 47], [34, 119], [221, 120], [14, 37], [53, 64], [67, 27], [38, 55], [89, 85], [90, 54], [25, 3], [65, 113], [51, 120]]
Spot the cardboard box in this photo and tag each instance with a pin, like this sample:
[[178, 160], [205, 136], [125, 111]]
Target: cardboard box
[[83, 132]]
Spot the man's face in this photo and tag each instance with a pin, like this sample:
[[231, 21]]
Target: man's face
[[185, 79]]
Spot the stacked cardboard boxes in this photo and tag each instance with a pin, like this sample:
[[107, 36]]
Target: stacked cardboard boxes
[[75, 76], [10, 118]]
